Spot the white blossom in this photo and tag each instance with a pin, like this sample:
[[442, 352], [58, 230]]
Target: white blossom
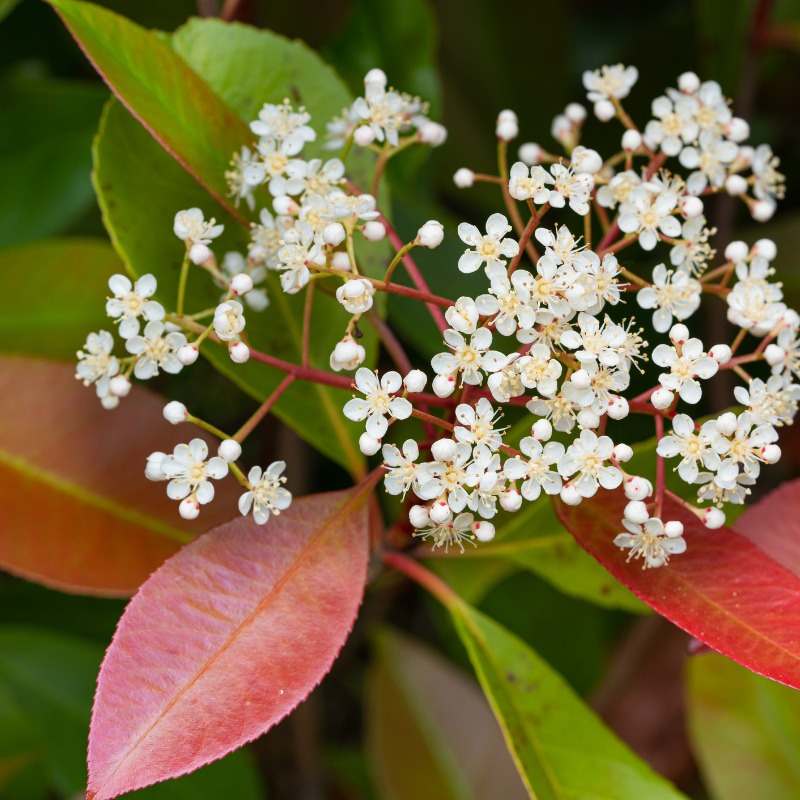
[[692, 363], [671, 295], [710, 161], [649, 542], [229, 320], [614, 81], [377, 402], [593, 342], [155, 351], [559, 410], [266, 495], [404, 473], [477, 425], [448, 477], [469, 359], [770, 403], [673, 127], [538, 370], [451, 533], [490, 248], [617, 189], [769, 183], [301, 247], [694, 447], [742, 448], [130, 301], [463, 316], [537, 471], [510, 303], [692, 253], [96, 364], [645, 215], [190, 473], [282, 123], [356, 295], [529, 184], [571, 187], [585, 457]]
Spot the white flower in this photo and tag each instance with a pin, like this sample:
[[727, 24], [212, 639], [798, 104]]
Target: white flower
[[537, 370], [529, 184], [599, 282], [709, 490], [130, 302], [673, 127], [562, 247], [558, 409], [769, 184], [546, 290], [299, 249], [275, 158], [228, 320], [448, 477], [711, 161], [677, 295], [190, 472], [755, 307], [568, 186], [96, 364], [649, 542], [505, 383], [339, 129], [489, 248], [789, 343], [744, 447], [266, 239], [431, 234], [378, 401], [549, 330], [603, 387], [356, 295], [631, 349], [586, 457], [470, 358], [536, 472], [596, 343], [283, 123], [489, 482], [646, 216], [463, 316], [511, 305], [240, 189], [342, 206], [617, 189], [773, 403], [155, 351], [606, 82], [385, 112], [267, 495], [190, 226], [347, 354], [479, 422], [684, 368], [693, 252], [454, 532], [693, 447], [404, 473]]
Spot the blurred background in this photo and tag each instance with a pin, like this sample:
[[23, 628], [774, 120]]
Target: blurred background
[[470, 59]]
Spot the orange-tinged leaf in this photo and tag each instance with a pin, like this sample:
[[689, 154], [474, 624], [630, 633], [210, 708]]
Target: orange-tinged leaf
[[78, 513], [226, 638]]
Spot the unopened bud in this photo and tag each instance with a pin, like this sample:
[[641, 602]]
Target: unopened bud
[[109, 401], [418, 516], [636, 511], [713, 518], [511, 500], [772, 355], [334, 234], [679, 334], [575, 113], [443, 449], [375, 75], [531, 153], [771, 453], [735, 185], [241, 283], [341, 261], [368, 444], [440, 512], [120, 386], [673, 529], [187, 354], [721, 353], [153, 471], [542, 430], [570, 495], [688, 82], [363, 136], [415, 380], [433, 134], [464, 178], [726, 423], [604, 111], [662, 398], [507, 130], [737, 130], [199, 253], [431, 234], [443, 385], [374, 231], [189, 508], [581, 379], [483, 530], [229, 450], [762, 210], [637, 488], [631, 140], [175, 412], [737, 251], [239, 352], [587, 418], [765, 248], [623, 453], [690, 206], [284, 205], [618, 408]]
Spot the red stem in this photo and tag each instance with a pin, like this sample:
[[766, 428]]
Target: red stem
[[307, 320], [262, 412], [424, 577], [660, 485]]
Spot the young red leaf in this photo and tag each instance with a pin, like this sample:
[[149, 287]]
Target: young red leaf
[[225, 639], [78, 513], [723, 589]]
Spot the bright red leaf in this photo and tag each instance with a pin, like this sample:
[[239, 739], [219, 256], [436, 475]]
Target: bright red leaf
[[724, 590], [225, 639], [78, 513]]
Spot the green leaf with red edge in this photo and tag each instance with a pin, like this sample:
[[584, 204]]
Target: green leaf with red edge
[[226, 638], [78, 513], [723, 590], [159, 88]]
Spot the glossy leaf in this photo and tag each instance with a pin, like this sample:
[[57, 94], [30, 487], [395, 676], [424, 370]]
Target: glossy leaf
[[561, 748], [225, 639], [745, 730], [55, 291], [170, 99], [78, 513], [723, 590], [46, 131], [430, 731]]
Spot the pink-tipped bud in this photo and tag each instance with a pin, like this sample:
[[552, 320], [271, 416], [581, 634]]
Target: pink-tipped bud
[[464, 178], [187, 354], [637, 487], [623, 453], [418, 516], [673, 529], [631, 140], [415, 380], [368, 444], [587, 419], [636, 512], [229, 450], [189, 508], [604, 110], [713, 518], [679, 334], [771, 453], [737, 251], [511, 500], [239, 353], [735, 185], [120, 386], [440, 512], [444, 385], [762, 210], [443, 449], [374, 231], [531, 154], [241, 284], [334, 234], [431, 234], [688, 82], [153, 471], [765, 248], [483, 530], [542, 430], [175, 412], [662, 398], [618, 408], [721, 353], [772, 355], [284, 205], [570, 495], [363, 136], [690, 206]]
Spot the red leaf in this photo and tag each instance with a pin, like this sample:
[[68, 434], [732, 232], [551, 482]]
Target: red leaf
[[723, 590], [78, 513], [225, 639], [773, 524]]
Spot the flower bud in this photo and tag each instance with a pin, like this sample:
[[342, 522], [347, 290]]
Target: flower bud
[[737, 130], [511, 500], [418, 516], [187, 354], [562, 130], [735, 185], [721, 353], [464, 178], [623, 453], [375, 75], [374, 231], [175, 412], [618, 408], [631, 140], [690, 206], [368, 445], [765, 248], [678, 334], [762, 210], [189, 508], [431, 234], [586, 161], [153, 471], [333, 234], [772, 355], [443, 385], [507, 115], [284, 205], [791, 319], [662, 398], [341, 261], [542, 430], [483, 530], [199, 253], [713, 518], [637, 488], [507, 130], [673, 529], [570, 495], [433, 134], [581, 379], [604, 111], [726, 423], [636, 511], [120, 386], [745, 156], [587, 418], [241, 283], [531, 154], [443, 449], [737, 251], [575, 113], [440, 512], [415, 380], [363, 136], [109, 401], [239, 353], [771, 453], [688, 82], [229, 450]]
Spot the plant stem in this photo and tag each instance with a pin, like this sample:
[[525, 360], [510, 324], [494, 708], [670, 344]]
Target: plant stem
[[182, 283], [396, 260], [660, 485], [526, 235], [424, 577], [247, 428], [239, 475], [307, 321], [346, 149], [206, 426]]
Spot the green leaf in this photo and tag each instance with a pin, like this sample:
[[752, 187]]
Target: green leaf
[[169, 98], [745, 730], [6, 7], [561, 748], [54, 290], [430, 731], [46, 131]]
